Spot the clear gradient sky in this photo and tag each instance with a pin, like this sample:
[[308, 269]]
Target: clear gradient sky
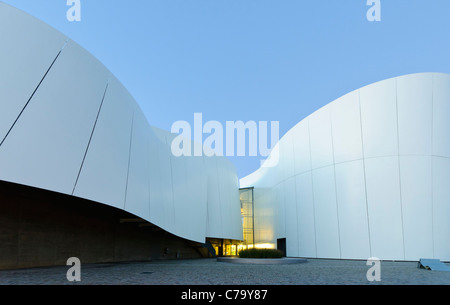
[[260, 60]]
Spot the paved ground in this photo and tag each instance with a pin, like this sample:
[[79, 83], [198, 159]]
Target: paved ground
[[211, 272]]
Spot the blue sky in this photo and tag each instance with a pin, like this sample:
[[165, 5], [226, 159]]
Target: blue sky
[[260, 60]]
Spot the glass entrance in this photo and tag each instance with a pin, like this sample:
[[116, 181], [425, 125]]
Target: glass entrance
[[228, 247], [247, 213]]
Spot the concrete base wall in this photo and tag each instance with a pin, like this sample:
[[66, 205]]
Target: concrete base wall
[[39, 228]]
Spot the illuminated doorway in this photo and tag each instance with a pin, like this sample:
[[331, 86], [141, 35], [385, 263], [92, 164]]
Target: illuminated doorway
[[225, 247], [247, 214], [228, 247]]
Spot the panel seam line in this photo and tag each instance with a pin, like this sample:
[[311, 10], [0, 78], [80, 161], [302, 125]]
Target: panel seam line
[[399, 170], [34, 92], [90, 138], [364, 171], [335, 183], [129, 161]]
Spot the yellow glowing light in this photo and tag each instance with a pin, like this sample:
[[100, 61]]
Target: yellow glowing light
[[265, 246]]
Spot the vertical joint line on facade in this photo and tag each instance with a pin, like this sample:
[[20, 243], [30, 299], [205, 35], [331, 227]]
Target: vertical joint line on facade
[[90, 138], [312, 187], [335, 183], [32, 95], [207, 202], [399, 170], [129, 160], [148, 154], [220, 196], [295, 192], [171, 182], [431, 160], [253, 216], [364, 171]]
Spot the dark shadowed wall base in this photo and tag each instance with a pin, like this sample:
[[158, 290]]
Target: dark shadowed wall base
[[40, 228]]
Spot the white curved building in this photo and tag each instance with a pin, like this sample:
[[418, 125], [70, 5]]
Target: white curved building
[[82, 172], [68, 126], [368, 175]]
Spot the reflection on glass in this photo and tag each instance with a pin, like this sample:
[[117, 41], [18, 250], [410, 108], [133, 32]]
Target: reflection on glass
[[228, 247], [247, 210]]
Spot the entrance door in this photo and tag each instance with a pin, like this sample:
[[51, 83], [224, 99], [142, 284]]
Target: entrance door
[[281, 245]]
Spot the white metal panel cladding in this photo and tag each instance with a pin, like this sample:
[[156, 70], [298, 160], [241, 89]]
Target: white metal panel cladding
[[346, 128], [351, 199], [326, 213], [302, 154], [24, 60], [441, 207], [137, 198], [372, 174], [103, 176], [291, 215], [59, 116], [156, 186], [320, 138], [441, 115], [378, 104], [214, 225], [305, 215], [417, 196], [415, 114], [229, 194], [384, 207], [164, 194], [286, 156], [73, 128]]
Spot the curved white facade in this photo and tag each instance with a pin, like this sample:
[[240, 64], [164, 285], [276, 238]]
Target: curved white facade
[[69, 126], [368, 175]]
